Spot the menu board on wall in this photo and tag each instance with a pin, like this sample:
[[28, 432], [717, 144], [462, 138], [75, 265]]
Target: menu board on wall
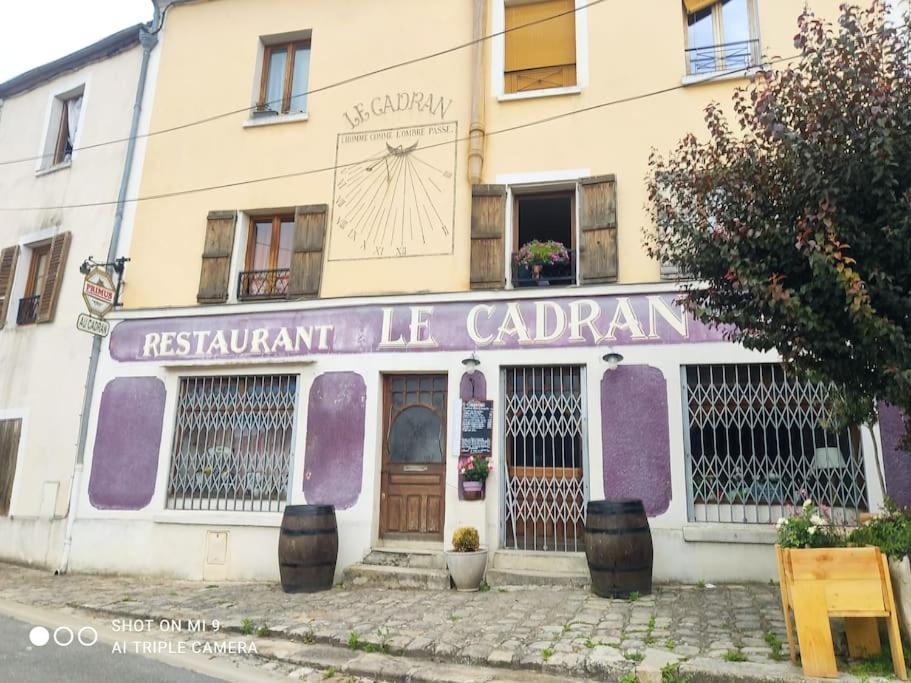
[[477, 428]]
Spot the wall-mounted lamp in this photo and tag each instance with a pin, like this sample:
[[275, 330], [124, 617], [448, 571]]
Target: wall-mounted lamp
[[471, 363], [613, 359]]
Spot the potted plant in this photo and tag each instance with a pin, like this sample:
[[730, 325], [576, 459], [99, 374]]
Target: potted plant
[[890, 531], [467, 561], [474, 475], [535, 255]]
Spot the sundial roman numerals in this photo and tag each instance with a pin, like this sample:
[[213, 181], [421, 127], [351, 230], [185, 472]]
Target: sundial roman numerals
[[394, 193]]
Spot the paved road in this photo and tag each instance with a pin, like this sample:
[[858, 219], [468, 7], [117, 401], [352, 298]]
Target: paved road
[[25, 663]]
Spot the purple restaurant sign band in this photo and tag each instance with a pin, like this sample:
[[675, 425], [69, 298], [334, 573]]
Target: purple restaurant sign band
[[446, 326]]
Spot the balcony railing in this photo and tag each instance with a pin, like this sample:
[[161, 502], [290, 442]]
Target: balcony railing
[[552, 275], [28, 310], [263, 284], [710, 59]]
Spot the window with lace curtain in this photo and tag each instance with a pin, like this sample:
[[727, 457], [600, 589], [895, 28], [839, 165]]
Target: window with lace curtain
[[66, 134]]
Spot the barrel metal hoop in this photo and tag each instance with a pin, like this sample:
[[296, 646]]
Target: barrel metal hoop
[[620, 570], [307, 564], [618, 532], [308, 532]]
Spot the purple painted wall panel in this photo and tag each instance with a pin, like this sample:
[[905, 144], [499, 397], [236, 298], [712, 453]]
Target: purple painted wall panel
[[125, 459], [896, 462], [334, 461], [473, 386], [635, 437]]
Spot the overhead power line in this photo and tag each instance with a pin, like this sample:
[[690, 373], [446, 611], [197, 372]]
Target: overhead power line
[[330, 86], [324, 169]]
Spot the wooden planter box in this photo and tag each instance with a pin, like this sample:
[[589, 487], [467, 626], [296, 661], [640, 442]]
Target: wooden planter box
[[853, 583]]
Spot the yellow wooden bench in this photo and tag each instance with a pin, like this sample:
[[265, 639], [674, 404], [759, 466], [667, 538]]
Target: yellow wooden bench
[[853, 583]]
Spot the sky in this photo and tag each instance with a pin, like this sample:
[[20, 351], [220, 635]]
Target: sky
[[35, 32]]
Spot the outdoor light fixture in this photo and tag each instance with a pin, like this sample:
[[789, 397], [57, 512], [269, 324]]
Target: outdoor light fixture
[[471, 363], [613, 359]]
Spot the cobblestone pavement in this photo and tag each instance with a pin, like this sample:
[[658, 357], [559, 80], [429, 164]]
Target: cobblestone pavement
[[565, 630]]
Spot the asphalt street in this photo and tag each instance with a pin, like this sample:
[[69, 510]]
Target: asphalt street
[[23, 662]]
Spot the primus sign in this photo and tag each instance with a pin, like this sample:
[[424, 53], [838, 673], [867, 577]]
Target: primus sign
[[446, 326]]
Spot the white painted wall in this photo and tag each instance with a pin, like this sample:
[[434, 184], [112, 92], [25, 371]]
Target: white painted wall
[[43, 367], [157, 541]]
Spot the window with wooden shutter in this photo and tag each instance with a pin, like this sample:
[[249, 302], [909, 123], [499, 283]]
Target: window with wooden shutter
[[53, 279], [307, 257], [9, 448], [598, 222], [540, 45], [488, 221], [8, 259], [216, 257]]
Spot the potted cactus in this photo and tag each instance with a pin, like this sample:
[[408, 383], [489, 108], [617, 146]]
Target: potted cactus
[[467, 561]]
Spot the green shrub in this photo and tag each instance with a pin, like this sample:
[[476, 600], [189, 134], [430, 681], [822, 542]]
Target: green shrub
[[465, 539], [890, 532]]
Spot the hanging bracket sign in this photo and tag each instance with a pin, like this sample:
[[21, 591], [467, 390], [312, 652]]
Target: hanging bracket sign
[[99, 292], [93, 325], [477, 428]]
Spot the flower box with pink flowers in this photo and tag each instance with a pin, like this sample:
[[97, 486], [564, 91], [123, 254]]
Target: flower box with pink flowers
[[473, 473]]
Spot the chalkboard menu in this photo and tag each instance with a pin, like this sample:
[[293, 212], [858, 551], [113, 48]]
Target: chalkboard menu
[[477, 427]]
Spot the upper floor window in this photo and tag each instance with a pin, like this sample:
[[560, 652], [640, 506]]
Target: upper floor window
[[722, 35], [285, 78], [267, 263], [34, 284], [544, 239], [541, 55]]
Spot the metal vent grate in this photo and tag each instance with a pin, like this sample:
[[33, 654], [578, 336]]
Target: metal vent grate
[[758, 446], [232, 443]]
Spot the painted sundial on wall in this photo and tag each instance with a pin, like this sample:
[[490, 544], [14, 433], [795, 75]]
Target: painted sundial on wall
[[394, 193]]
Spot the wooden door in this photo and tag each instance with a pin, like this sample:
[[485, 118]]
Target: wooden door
[[414, 457]]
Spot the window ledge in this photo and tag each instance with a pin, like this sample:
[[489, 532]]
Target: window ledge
[[276, 120], [209, 519], [720, 532], [717, 76], [54, 168], [533, 94]]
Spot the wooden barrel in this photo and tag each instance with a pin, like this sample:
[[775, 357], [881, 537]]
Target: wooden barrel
[[307, 548], [618, 547]]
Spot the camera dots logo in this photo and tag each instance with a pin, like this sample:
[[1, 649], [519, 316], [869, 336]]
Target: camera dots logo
[[63, 636]]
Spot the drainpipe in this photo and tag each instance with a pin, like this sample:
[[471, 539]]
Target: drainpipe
[[476, 131], [148, 40]]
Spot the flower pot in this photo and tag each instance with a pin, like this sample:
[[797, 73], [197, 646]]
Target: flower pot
[[900, 570], [473, 490], [467, 569], [536, 270]]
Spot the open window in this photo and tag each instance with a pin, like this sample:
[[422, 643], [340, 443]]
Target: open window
[[722, 35], [540, 45], [544, 238], [65, 114]]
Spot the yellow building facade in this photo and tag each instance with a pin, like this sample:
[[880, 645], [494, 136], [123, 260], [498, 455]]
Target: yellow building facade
[[334, 296]]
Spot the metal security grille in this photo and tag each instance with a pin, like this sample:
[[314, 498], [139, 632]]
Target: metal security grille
[[758, 447], [545, 486], [232, 443]]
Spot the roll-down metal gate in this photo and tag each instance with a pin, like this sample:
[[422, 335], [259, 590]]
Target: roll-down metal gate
[[545, 485]]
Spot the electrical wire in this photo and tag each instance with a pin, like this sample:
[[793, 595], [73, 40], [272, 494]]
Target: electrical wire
[[330, 86], [324, 169]]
